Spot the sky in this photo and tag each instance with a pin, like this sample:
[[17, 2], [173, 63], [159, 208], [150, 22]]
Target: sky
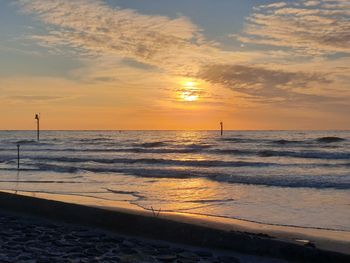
[[175, 65]]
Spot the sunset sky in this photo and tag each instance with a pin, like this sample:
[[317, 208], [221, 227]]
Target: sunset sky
[[184, 64]]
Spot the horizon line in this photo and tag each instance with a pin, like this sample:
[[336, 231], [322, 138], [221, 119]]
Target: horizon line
[[118, 130]]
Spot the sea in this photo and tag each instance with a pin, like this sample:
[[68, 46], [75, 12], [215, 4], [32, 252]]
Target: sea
[[288, 178]]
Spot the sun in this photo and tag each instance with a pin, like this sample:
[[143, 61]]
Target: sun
[[189, 91], [190, 84]]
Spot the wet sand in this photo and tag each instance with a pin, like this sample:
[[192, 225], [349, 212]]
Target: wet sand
[[177, 228]]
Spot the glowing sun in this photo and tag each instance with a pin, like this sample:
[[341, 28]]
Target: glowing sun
[[189, 91]]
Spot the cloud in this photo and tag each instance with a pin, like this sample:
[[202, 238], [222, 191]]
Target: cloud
[[262, 84], [34, 98], [93, 27], [274, 5], [312, 3], [177, 46], [309, 27]]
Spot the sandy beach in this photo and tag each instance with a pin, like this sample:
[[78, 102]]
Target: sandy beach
[[30, 239], [208, 242]]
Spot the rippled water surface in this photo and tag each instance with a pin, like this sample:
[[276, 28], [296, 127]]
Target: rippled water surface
[[288, 178]]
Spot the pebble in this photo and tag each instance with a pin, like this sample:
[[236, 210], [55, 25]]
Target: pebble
[[167, 258], [188, 255], [203, 253], [228, 259]]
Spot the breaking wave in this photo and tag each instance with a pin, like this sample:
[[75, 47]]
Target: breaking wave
[[330, 139]]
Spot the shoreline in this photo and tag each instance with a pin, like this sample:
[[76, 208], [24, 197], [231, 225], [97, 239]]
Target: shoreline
[[236, 235]]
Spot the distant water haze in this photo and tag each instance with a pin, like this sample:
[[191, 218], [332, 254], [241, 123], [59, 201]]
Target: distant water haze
[[298, 178]]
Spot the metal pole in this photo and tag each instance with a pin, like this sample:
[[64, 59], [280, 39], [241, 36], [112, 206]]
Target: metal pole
[[37, 117], [222, 128], [18, 156], [38, 129]]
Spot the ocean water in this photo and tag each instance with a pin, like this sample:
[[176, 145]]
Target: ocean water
[[296, 178]]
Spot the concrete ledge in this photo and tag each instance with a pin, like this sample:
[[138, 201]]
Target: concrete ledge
[[165, 229]]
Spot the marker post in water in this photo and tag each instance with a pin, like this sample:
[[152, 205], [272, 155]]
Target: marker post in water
[[37, 117], [18, 156], [222, 128]]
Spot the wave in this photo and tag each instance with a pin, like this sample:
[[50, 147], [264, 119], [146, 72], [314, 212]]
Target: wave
[[330, 139], [283, 180], [198, 146], [305, 181], [323, 155], [189, 149], [183, 147], [132, 193], [327, 139], [148, 173], [243, 140], [232, 151], [306, 154], [284, 142], [287, 181], [99, 139], [204, 201], [153, 144], [32, 142], [196, 163], [58, 168], [26, 142], [109, 150]]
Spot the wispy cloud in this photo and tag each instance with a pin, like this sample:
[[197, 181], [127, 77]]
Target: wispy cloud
[[34, 98], [92, 26], [310, 27], [262, 84]]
